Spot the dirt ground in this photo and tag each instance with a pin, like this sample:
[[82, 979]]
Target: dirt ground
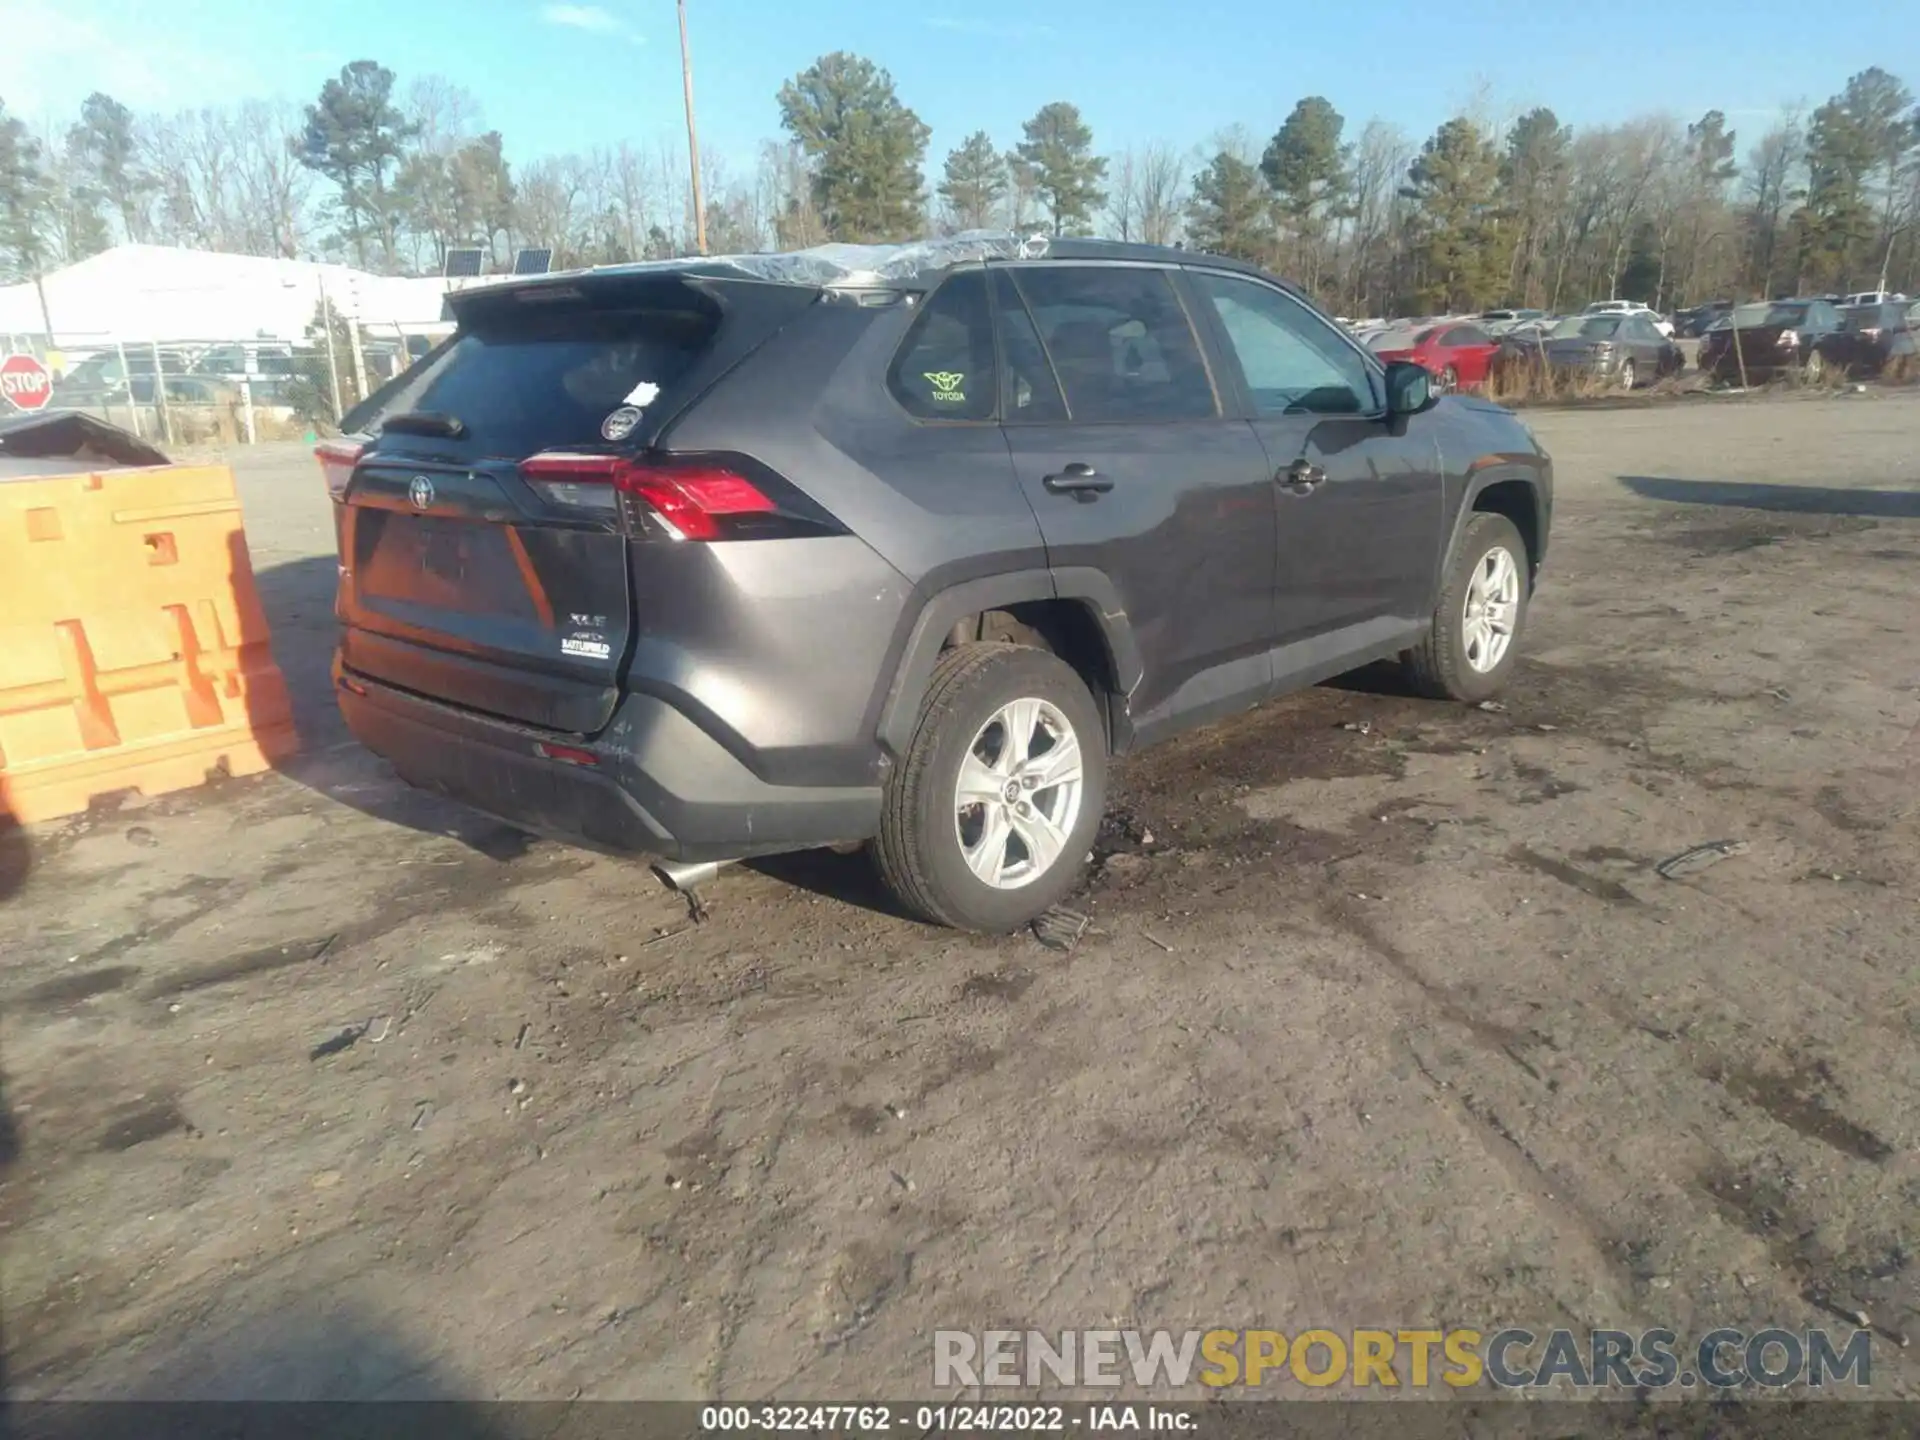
[[315, 1087]]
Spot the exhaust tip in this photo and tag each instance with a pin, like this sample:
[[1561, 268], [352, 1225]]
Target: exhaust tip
[[686, 878]]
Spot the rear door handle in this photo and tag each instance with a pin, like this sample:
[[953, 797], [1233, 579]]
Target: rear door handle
[[1301, 477], [1081, 481]]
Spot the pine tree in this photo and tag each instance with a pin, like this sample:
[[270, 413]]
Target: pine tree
[[1231, 212], [865, 147], [1458, 250], [23, 197], [355, 136], [975, 182], [1066, 173], [104, 146], [1306, 166], [1533, 187]]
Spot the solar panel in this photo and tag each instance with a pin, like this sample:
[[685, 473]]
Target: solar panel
[[532, 262], [463, 261]]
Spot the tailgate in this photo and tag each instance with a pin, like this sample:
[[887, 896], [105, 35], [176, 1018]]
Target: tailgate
[[453, 586], [466, 581]]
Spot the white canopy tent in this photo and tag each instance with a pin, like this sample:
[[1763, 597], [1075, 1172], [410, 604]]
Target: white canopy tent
[[139, 293]]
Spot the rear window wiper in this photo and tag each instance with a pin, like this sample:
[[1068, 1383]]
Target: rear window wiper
[[426, 422]]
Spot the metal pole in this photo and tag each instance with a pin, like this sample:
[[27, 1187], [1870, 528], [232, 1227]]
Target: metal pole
[[40, 289], [359, 362], [693, 138], [126, 376], [1886, 260], [159, 392], [333, 365], [246, 407]]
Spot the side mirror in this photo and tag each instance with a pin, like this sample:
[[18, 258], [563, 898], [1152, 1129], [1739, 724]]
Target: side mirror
[[1409, 388]]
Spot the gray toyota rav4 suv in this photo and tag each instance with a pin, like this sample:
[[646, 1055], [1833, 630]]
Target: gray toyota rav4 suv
[[720, 558]]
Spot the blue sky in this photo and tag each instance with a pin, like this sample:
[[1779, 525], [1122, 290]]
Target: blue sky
[[566, 76]]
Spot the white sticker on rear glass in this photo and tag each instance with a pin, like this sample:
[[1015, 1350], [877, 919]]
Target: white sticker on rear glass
[[620, 424], [643, 394], [586, 647]]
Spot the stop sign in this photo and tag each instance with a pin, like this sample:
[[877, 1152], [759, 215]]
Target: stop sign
[[25, 382]]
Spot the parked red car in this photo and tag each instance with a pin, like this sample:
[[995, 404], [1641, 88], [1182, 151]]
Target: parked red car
[[1456, 352]]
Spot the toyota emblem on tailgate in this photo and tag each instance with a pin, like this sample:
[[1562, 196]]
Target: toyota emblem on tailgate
[[420, 492]]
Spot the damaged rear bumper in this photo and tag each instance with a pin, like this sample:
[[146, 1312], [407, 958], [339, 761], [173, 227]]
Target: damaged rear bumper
[[653, 782]]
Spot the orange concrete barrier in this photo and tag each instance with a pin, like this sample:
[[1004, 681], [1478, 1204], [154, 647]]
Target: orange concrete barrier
[[133, 650]]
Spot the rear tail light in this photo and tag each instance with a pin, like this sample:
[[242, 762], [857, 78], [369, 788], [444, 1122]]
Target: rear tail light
[[337, 459], [691, 499]]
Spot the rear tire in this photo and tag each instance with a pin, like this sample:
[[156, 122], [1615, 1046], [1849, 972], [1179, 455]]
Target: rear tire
[[968, 863], [1445, 664], [1815, 368], [1629, 377], [1447, 381]]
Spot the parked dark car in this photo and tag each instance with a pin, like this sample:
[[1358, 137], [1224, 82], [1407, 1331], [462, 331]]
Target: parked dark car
[[1777, 337], [1879, 339], [733, 558], [1624, 350], [1692, 323]]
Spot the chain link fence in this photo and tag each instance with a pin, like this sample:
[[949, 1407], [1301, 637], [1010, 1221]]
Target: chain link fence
[[224, 390]]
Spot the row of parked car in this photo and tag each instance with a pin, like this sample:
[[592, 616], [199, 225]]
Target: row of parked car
[[210, 374], [1625, 343]]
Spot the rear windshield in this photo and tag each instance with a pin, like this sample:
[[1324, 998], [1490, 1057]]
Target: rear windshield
[[1871, 317], [1749, 317], [535, 378], [1587, 327]]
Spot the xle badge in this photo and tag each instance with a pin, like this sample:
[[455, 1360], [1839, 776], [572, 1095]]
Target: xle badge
[[946, 384]]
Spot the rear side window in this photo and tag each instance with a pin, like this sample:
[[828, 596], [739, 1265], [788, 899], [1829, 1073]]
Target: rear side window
[[535, 378], [945, 370], [1120, 342]]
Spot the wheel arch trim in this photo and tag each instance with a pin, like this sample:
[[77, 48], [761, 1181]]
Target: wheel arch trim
[[944, 608]]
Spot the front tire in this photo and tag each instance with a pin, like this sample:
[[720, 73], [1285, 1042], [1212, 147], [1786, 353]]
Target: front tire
[[987, 822], [1474, 639]]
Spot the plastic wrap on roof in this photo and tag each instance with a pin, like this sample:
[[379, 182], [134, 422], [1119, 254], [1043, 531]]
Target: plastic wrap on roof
[[857, 265]]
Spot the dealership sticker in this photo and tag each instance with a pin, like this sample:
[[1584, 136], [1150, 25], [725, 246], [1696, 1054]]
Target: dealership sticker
[[620, 423], [588, 647], [643, 394]]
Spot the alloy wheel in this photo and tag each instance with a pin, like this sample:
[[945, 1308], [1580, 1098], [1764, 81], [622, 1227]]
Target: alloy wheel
[[1491, 610], [1018, 794]]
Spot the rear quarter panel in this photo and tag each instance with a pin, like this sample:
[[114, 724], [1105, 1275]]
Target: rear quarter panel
[[930, 505]]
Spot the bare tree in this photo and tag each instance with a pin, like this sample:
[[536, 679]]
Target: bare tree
[[74, 209], [786, 195], [1160, 178], [1380, 160], [634, 194], [273, 192], [191, 155], [547, 211], [1147, 193], [1123, 196], [445, 115], [1775, 184]]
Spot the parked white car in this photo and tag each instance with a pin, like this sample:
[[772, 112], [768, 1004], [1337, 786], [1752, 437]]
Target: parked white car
[[1631, 307]]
